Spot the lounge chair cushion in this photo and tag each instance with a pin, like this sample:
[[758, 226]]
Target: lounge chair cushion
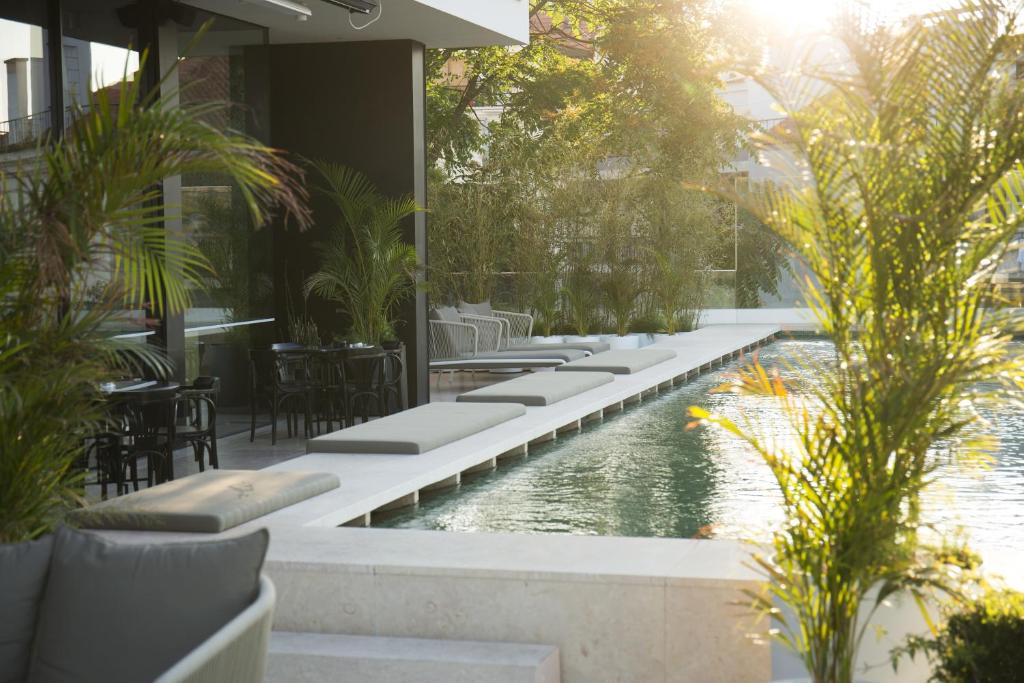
[[418, 430], [23, 568], [540, 389], [565, 355], [129, 611], [621, 362], [445, 314], [483, 308], [589, 347], [209, 502], [448, 314]]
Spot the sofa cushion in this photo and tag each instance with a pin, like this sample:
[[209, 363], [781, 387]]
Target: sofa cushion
[[127, 612], [23, 568], [208, 502], [483, 308]]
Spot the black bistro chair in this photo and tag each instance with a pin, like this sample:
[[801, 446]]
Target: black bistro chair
[[145, 432], [374, 383], [281, 379], [196, 413]]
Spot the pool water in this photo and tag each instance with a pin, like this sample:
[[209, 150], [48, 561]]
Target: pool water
[[641, 473]]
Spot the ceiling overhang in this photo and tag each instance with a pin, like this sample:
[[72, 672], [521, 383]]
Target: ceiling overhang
[[435, 23]]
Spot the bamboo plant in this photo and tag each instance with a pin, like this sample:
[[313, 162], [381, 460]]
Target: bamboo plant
[[367, 268], [86, 204], [915, 160]]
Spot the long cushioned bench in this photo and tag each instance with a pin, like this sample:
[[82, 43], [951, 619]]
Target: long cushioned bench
[[588, 347], [621, 362], [494, 360], [541, 389], [417, 430], [208, 502]]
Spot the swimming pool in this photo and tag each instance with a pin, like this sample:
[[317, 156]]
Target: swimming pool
[[641, 473]]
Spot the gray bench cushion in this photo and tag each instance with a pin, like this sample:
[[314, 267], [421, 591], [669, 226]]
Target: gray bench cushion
[[541, 389], [565, 355], [589, 347], [624, 362], [418, 430], [209, 502]]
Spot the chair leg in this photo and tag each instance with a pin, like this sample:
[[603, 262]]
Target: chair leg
[[252, 418], [197, 450], [212, 446], [273, 420]]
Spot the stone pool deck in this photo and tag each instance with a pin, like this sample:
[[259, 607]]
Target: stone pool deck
[[616, 609], [376, 483]]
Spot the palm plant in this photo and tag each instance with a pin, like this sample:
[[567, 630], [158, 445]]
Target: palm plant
[[367, 267], [88, 203], [915, 157]]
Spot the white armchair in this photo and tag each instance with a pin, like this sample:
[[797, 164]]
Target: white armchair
[[237, 652], [518, 326]]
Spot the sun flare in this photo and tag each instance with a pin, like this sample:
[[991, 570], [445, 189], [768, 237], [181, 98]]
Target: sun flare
[[802, 16]]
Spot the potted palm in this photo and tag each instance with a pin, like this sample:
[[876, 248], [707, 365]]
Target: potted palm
[[916, 165], [74, 209], [367, 267]]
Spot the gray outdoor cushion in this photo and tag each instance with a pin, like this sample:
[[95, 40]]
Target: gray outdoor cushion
[[448, 314], [23, 569], [445, 314], [539, 389], [591, 347], [127, 612], [483, 308], [209, 502], [622, 362], [416, 430], [565, 355]]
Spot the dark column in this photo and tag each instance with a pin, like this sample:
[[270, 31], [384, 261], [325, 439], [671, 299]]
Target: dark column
[[359, 104]]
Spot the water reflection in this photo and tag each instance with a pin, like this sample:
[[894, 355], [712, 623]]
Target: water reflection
[[640, 473]]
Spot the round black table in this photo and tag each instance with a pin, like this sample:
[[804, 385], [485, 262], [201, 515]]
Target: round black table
[[145, 409]]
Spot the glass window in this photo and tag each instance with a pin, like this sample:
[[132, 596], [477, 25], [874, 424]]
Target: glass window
[[225, 67], [24, 78]]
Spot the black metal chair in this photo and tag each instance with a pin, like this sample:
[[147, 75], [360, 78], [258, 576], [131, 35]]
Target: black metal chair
[[282, 379], [146, 431], [328, 367], [365, 379], [196, 413]]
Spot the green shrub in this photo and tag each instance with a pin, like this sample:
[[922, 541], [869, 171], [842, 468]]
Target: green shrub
[[982, 642]]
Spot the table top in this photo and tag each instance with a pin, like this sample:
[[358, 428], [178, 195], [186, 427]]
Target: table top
[[139, 388]]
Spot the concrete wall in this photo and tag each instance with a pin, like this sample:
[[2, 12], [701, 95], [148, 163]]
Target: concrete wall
[[618, 609]]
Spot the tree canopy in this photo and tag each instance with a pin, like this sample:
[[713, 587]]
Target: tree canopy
[[612, 79]]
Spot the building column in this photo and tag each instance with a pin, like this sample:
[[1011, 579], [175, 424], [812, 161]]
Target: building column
[[361, 104]]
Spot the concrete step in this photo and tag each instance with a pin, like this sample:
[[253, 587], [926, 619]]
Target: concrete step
[[323, 657]]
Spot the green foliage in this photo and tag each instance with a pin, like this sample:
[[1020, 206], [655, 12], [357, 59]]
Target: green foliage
[[915, 161], [604, 115], [367, 267], [80, 239], [628, 78], [979, 642]]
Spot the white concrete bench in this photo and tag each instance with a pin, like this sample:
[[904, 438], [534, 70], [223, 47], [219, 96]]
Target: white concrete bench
[[313, 657], [417, 430], [541, 389], [620, 362]]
